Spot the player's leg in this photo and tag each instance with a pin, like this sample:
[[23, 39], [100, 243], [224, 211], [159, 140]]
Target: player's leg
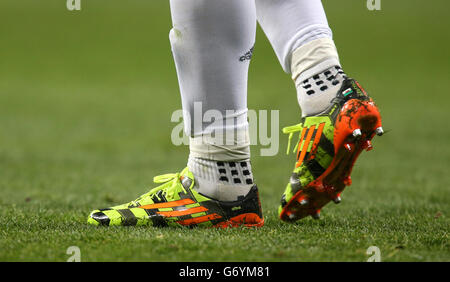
[[299, 33], [338, 117], [211, 41]]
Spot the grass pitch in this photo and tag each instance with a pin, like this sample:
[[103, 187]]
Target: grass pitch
[[85, 105]]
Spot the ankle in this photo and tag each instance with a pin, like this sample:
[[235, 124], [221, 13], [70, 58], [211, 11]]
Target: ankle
[[221, 180], [316, 92], [317, 74]]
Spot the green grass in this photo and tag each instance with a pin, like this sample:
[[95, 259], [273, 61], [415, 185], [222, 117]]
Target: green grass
[[85, 106]]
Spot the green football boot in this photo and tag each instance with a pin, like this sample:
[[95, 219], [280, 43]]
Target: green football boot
[[176, 203], [329, 144]]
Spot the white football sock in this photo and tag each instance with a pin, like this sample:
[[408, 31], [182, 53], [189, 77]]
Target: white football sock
[[317, 74], [315, 92], [212, 44], [289, 24], [299, 33], [221, 180]]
